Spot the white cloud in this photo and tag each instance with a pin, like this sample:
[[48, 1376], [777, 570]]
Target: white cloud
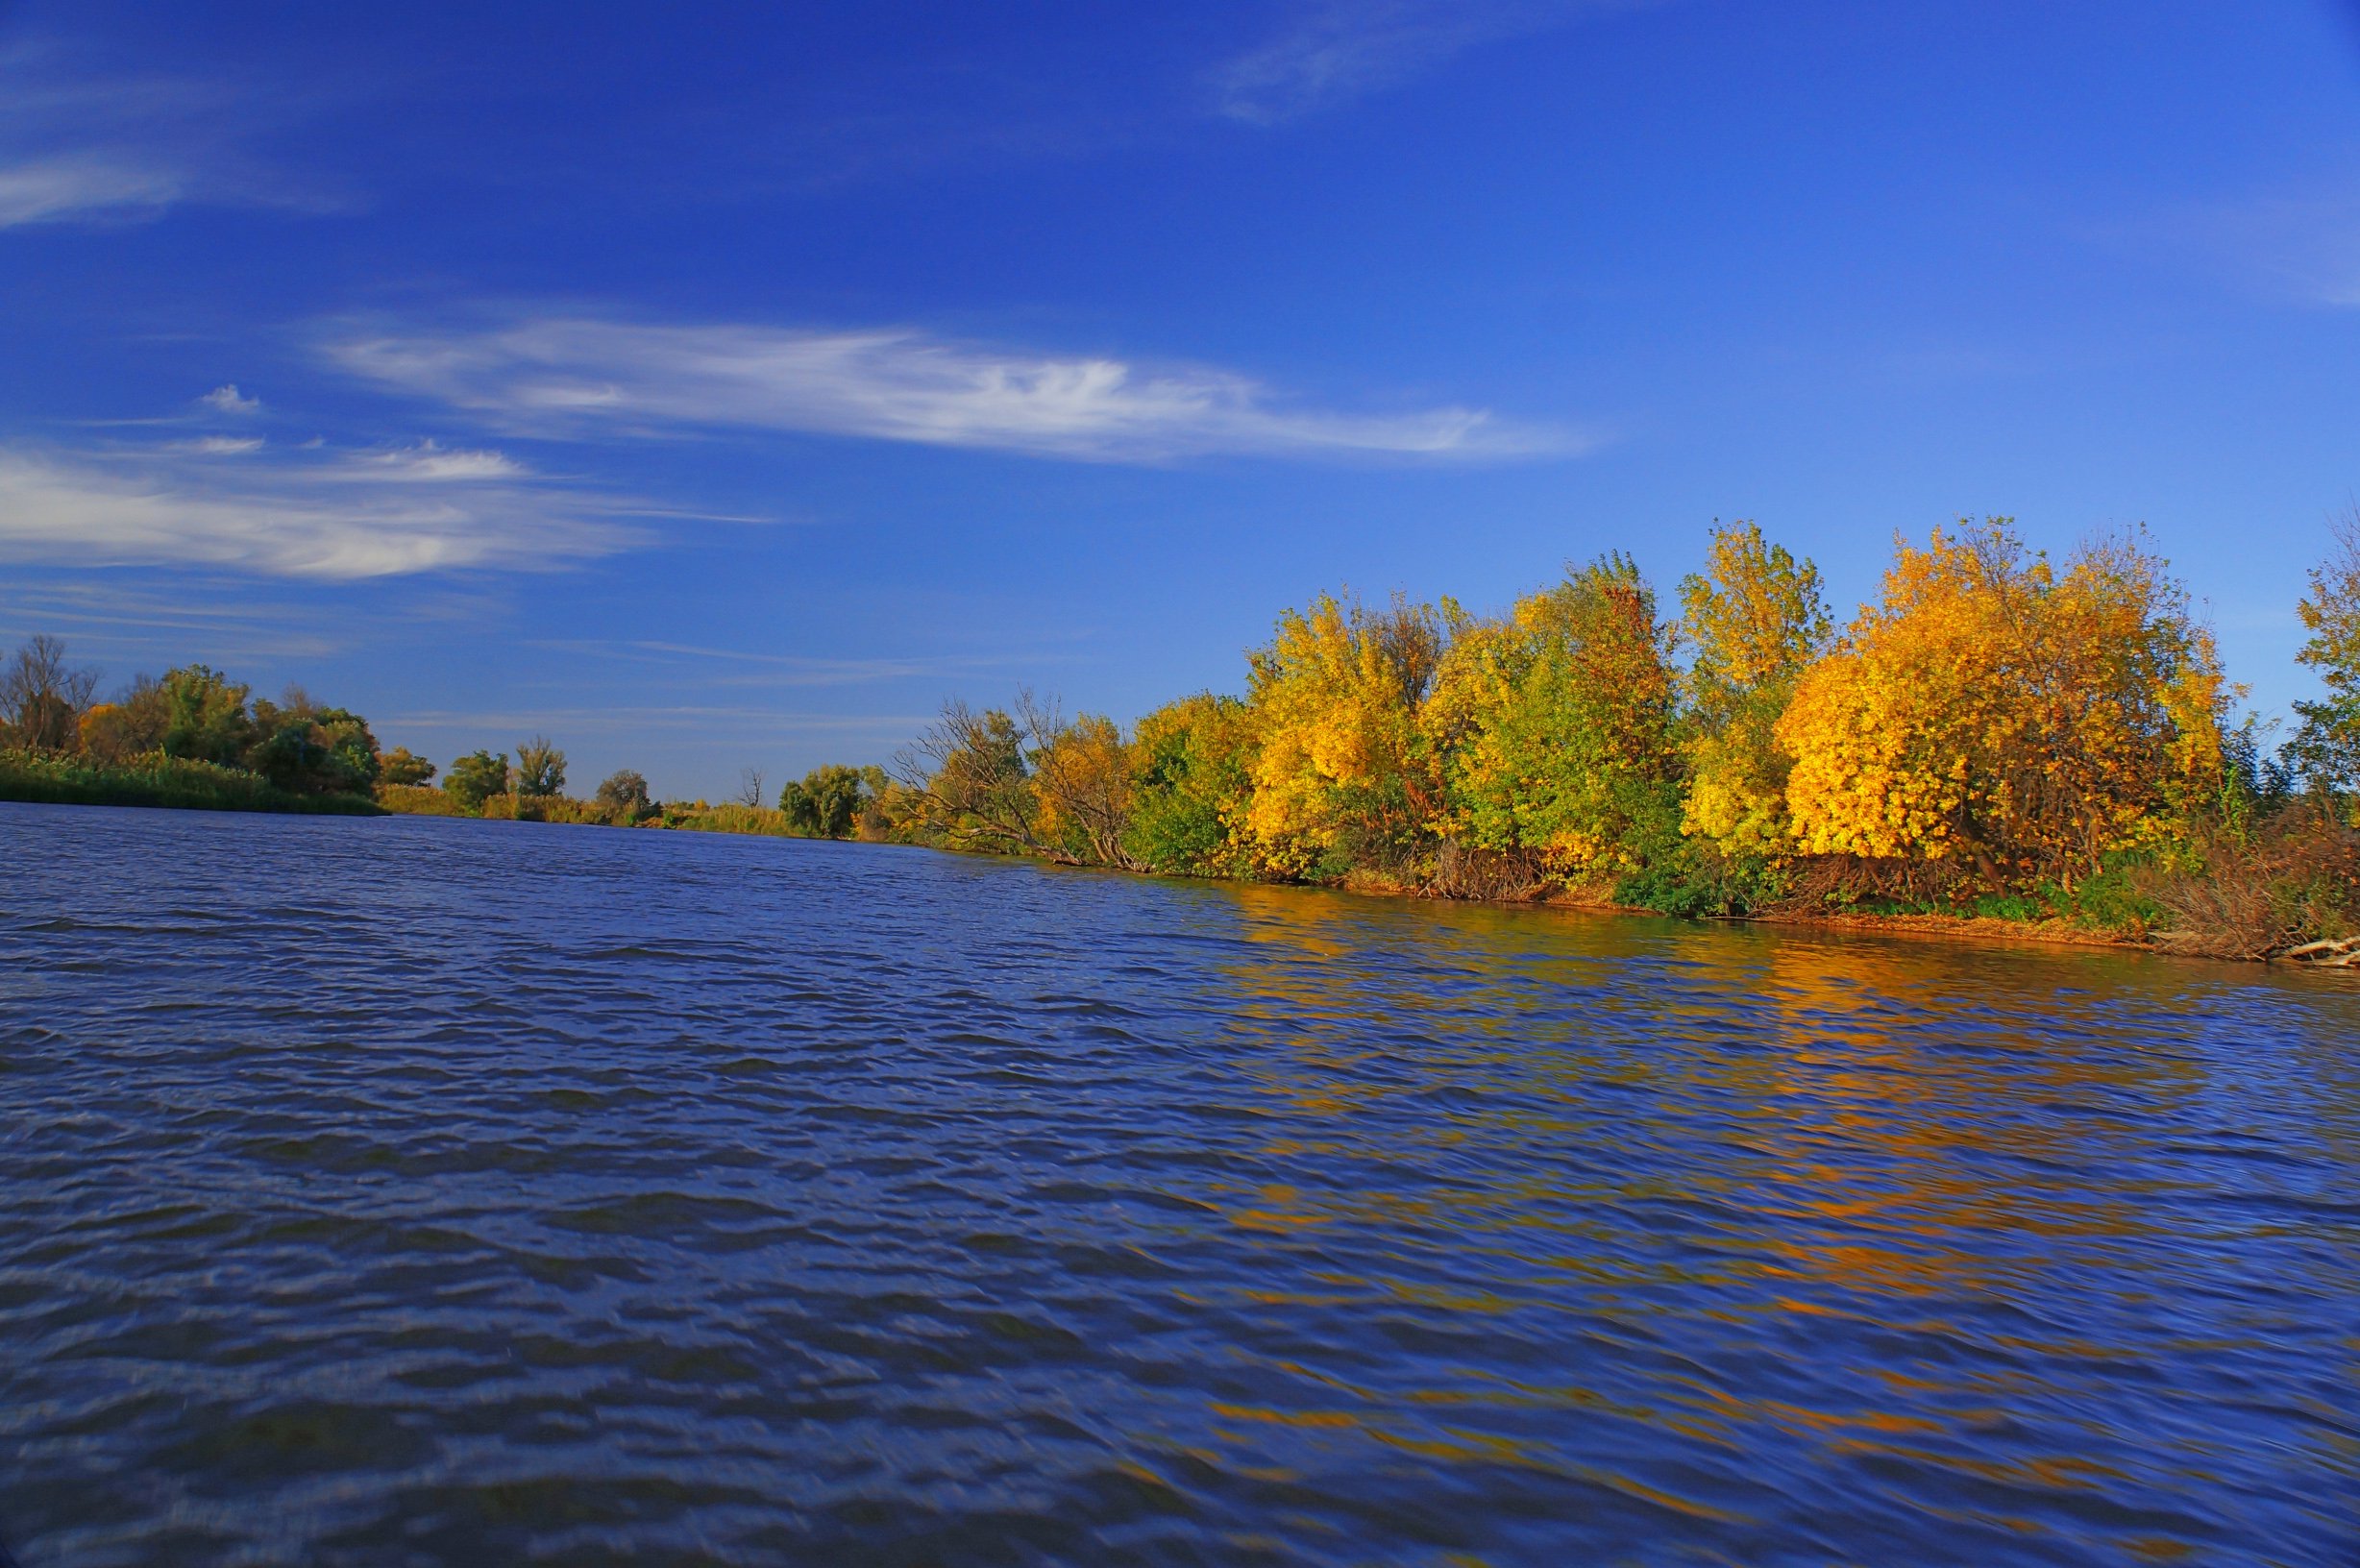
[[225, 399], [2300, 243], [1337, 50], [326, 516], [50, 189], [220, 445], [2307, 246], [576, 376], [78, 146], [430, 462]]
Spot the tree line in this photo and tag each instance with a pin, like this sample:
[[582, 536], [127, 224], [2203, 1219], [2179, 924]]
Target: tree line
[[1996, 733], [195, 737]]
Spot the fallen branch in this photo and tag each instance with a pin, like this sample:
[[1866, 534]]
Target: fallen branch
[[2345, 953]]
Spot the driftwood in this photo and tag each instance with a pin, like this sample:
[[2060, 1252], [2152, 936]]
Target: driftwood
[[2327, 955]]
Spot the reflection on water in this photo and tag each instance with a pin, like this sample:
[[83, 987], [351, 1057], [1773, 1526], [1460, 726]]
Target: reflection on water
[[418, 1191]]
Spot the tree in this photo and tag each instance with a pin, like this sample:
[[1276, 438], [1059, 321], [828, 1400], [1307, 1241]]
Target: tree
[[1559, 725], [1343, 774], [540, 769], [1756, 620], [1081, 776], [42, 697], [2326, 748], [826, 803], [1192, 783], [751, 790], [475, 779], [204, 716], [624, 797], [314, 750], [1992, 713], [400, 767], [972, 789]]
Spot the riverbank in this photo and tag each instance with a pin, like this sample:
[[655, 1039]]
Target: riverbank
[[171, 783], [689, 817], [183, 785]]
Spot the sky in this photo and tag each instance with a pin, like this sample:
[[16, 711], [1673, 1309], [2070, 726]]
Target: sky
[[724, 386]]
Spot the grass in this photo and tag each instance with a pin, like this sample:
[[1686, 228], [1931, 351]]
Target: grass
[[687, 817], [175, 783]]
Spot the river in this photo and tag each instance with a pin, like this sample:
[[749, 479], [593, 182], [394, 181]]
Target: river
[[418, 1191]]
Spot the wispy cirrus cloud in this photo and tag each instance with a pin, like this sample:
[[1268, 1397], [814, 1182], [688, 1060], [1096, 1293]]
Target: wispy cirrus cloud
[[607, 718], [79, 145], [39, 189], [2296, 242], [1333, 51], [691, 664], [581, 375], [2306, 247], [229, 502]]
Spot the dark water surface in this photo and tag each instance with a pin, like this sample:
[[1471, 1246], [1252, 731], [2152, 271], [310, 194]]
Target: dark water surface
[[429, 1192]]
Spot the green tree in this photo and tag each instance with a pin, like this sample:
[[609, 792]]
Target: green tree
[[1560, 729], [308, 750], [400, 767], [2326, 748], [970, 785], [475, 779], [624, 797], [205, 715], [1193, 781], [540, 769], [827, 802]]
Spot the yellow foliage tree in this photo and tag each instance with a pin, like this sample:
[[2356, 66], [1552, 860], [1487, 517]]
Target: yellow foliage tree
[[1991, 712], [1082, 779], [1341, 773], [1756, 620]]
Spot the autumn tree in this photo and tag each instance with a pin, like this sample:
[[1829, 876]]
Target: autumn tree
[[1559, 727], [969, 784], [1755, 620], [1081, 781], [1993, 714], [1342, 775], [42, 697]]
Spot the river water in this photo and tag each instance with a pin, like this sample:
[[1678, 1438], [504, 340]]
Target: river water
[[415, 1191]]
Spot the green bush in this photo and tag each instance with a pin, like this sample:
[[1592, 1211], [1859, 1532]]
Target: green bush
[[155, 780]]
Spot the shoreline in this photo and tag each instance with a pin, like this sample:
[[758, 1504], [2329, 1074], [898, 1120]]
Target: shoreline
[[1970, 930]]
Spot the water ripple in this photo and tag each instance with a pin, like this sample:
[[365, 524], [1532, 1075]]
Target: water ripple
[[414, 1191]]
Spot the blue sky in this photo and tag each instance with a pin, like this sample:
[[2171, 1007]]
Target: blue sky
[[724, 385]]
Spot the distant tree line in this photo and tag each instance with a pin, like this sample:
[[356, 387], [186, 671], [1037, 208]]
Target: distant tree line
[[1998, 733], [194, 737], [193, 715]]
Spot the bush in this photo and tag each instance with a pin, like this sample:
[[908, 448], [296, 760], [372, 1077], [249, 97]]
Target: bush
[[156, 779], [624, 798], [475, 777], [2256, 893]]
